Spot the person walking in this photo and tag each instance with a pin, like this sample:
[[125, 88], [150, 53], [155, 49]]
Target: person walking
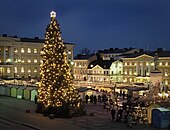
[[129, 120], [113, 114]]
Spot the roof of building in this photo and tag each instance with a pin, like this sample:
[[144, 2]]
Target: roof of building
[[25, 39], [138, 54], [105, 64], [115, 50], [82, 57]]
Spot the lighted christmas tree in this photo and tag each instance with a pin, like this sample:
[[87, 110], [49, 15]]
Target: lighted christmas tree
[[56, 90]]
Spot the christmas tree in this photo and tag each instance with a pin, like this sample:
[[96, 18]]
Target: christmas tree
[[56, 94]]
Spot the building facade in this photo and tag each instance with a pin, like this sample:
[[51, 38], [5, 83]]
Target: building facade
[[137, 68], [20, 57]]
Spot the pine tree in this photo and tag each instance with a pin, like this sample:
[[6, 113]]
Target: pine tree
[[56, 89]]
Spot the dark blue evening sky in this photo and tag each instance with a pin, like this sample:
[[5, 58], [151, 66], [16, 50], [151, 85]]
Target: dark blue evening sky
[[95, 24]]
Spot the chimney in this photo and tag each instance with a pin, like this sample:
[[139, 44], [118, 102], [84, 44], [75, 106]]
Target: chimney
[[4, 35]]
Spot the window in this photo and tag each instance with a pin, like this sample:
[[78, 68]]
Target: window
[[29, 60], [29, 70], [15, 50], [35, 51], [0, 61], [29, 50], [166, 64], [35, 60], [152, 64], [22, 69], [166, 74], [160, 63], [35, 70], [166, 82], [130, 71], [147, 64], [125, 63], [8, 70], [125, 71], [15, 69], [69, 52], [22, 59], [22, 50]]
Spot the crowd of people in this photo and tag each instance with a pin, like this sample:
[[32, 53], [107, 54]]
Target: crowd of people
[[124, 113]]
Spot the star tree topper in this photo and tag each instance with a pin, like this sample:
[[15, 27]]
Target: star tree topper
[[53, 14]]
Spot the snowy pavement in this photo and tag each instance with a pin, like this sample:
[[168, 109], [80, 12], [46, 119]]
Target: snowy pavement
[[13, 116]]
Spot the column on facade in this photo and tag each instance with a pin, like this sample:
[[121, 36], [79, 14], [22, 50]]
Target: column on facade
[[4, 52], [137, 68], [142, 68], [11, 54]]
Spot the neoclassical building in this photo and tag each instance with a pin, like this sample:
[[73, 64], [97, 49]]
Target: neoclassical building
[[137, 68], [20, 57]]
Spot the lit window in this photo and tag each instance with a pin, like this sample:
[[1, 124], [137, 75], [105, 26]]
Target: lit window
[[29, 70], [125, 63], [130, 73], [69, 52], [35, 50], [160, 63], [135, 64], [147, 73], [22, 60], [130, 79], [35, 60], [125, 80], [166, 74], [29, 50], [15, 70], [22, 69], [152, 64], [166, 82], [147, 64], [125, 72], [8, 60], [135, 73], [130, 63], [22, 50], [29, 60], [35, 70], [15, 50], [8, 70], [166, 63], [0, 61]]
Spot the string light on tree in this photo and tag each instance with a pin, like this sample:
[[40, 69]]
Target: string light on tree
[[56, 89]]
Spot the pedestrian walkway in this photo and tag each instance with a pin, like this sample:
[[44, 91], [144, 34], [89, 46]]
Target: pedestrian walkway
[[13, 116], [101, 120]]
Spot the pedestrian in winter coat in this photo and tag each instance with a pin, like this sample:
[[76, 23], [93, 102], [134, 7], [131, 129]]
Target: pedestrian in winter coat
[[113, 114]]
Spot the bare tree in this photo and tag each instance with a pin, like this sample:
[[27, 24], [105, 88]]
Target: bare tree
[[85, 51]]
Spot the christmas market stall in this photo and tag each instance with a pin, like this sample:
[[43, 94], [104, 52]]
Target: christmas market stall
[[2, 90], [20, 92], [14, 91], [27, 93], [34, 93], [8, 90]]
